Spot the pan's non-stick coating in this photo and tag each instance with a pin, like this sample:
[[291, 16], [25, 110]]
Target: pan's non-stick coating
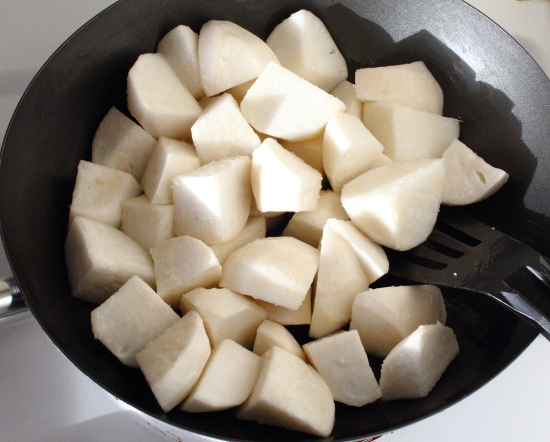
[[490, 83]]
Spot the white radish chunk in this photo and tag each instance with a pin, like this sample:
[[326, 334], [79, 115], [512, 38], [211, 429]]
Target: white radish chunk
[[230, 55], [240, 90], [130, 319], [122, 144], [411, 85], [381, 160], [100, 259], [99, 191], [347, 94], [414, 366], [282, 182], [271, 334], [212, 203], [283, 105], [290, 394], [173, 362], [278, 270], [158, 100], [407, 133], [222, 132], [226, 314], [342, 362], [396, 205], [183, 264], [180, 48], [226, 381], [285, 316], [311, 151], [384, 316], [304, 46], [349, 149], [468, 178]]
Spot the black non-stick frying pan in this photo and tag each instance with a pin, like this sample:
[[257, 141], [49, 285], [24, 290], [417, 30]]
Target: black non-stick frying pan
[[490, 83]]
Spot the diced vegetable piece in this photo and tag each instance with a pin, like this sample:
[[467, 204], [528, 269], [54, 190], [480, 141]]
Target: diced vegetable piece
[[311, 151], [381, 160], [347, 94], [285, 316], [271, 334], [240, 90]]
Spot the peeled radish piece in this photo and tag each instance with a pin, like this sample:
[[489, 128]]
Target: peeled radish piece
[[285, 316], [414, 366], [381, 160], [311, 151], [468, 178], [347, 94], [304, 46], [240, 90], [271, 334], [396, 205]]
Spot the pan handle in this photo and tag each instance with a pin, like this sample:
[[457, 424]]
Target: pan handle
[[11, 301]]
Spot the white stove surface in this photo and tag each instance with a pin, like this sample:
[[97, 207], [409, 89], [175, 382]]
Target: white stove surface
[[44, 398]]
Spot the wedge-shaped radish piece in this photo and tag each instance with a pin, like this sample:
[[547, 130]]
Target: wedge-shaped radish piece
[[396, 205], [468, 178], [255, 212], [283, 105], [278, 270], [180, 47], [183, 264], [289, 393], [230, 55], [311, 151], [130, 319], [271, 334], [407, 133], [285, 316], [304, 46], [212, 203], [226, 314], [173, 362], [100, 259], [169, 159], [349, 149], [146, 223], [339, 279], [342, 362], [122, 144], [99, 191], [347, 94], [308, 226], [414, 366], [158, 100], [226, 381], [385, 316], [381, 160], [411, 85], [222, 132], [255, 228], [281, 181]]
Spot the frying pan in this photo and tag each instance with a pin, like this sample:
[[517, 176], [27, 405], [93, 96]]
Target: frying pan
[[490, 83]]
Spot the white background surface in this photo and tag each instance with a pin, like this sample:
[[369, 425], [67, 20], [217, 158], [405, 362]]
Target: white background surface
[[44, 398]]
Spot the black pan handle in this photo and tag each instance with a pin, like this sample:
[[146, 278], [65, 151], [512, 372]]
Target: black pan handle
[[11, 301]]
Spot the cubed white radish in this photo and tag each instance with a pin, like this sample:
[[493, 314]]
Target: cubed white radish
[[278, 270], [407, 133], [339, 279], [289, 393], [308, 226], [99, 191], [311, 151], [130, 319], [212, 203], [267, 215], [347, 94], [226, 381], [414, 366], [169, 159], [146, 223], [158, 100], [226, 314], [411, 85], [100, 259], [281, 181], [468, 178], [283, 105], [230, 55], [396, 205], [384, 316], [173, 362], [342, 362], [381, 160], [304, 46], [180, 48], [271, 334], [240, 90], [349, 149], [183, 264], [255, 228], [285, 316], [222, 132], [122, 144]]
